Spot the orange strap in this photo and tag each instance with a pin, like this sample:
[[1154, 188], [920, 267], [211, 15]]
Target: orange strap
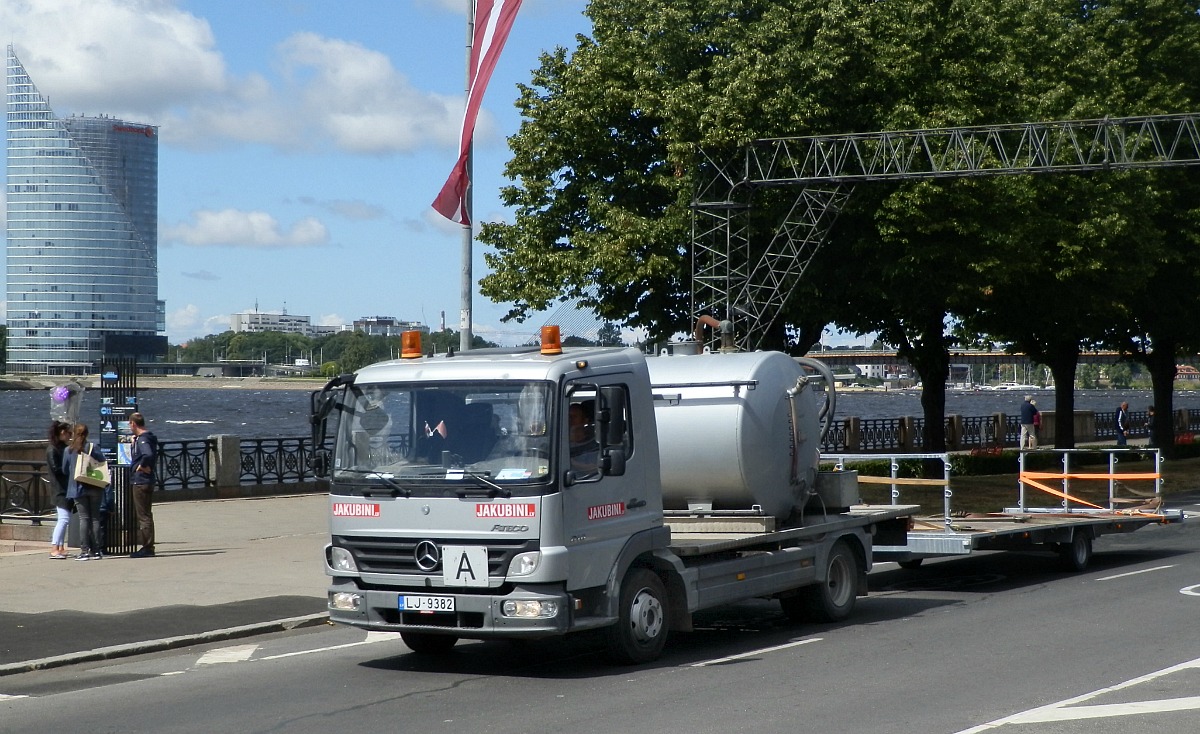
[[1050, 475], [1056, 493]]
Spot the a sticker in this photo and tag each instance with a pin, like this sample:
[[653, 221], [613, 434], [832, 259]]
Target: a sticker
[[355, 509], [513, 474], [506, 509], [603, 512]]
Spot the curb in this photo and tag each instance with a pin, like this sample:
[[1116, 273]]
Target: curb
[[168, 643]]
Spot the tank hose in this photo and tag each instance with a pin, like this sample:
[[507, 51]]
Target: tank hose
[[829, 408]]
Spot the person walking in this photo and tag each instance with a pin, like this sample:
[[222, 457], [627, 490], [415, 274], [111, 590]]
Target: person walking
[[1029, 420], [143, 458], [87, 498], [1123, 424], [60, 434]]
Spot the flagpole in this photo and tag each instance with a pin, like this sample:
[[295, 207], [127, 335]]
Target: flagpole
[[466, 286]]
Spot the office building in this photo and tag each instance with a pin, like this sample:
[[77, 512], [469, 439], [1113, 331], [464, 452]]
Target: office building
[[82, 246]]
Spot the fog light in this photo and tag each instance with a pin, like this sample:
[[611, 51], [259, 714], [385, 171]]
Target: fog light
[[346, 601], [341, 559], [530, 609]]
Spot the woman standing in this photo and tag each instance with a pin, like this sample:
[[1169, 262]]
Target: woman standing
[[60, 434], [87, 498]]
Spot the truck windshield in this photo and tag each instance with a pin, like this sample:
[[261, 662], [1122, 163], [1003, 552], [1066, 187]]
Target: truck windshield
[[414, 435]]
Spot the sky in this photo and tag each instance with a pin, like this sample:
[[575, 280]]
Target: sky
[[301, 144]]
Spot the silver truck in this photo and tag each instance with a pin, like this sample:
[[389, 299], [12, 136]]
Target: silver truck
[[531, 492]]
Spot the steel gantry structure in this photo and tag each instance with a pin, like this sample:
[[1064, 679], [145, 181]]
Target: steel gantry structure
[[729, 281]]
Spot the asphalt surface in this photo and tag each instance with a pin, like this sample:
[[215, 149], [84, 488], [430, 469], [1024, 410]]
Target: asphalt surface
[[223, 569]]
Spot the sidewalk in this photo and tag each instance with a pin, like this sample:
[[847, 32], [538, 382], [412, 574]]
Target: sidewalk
[[223, 569]]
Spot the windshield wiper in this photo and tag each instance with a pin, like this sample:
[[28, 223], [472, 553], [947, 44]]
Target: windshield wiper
[[395, 488], [481, 480]]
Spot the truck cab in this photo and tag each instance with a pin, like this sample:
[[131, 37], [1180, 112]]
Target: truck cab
[[489, 492]]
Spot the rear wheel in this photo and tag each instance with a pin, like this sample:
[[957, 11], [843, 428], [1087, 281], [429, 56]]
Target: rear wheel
[[424, 643], [641, 629], [1077, 555], [833, 599]]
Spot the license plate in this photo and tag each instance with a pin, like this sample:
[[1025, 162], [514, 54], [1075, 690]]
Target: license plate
[[426, 604]]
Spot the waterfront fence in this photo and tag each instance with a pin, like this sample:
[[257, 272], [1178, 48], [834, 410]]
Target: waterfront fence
[[227, 466]]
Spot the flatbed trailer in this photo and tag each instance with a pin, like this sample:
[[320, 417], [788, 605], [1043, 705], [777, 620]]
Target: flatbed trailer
[[1068, 529]]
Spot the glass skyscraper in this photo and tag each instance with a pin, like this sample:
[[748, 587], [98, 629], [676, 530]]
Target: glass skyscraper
[[82, 249]]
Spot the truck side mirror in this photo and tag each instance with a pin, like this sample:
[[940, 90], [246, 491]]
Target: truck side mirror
[[320, 462], [613, 463], [611, 415]]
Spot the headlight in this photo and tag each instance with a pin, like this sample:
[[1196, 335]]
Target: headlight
[[346, 601], [524, 564], [341, 559], [530, 608]]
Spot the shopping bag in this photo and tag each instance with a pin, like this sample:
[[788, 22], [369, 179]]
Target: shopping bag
[[91, 471]]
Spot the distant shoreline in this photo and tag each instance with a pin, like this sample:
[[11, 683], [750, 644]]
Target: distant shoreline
[[151, 382]]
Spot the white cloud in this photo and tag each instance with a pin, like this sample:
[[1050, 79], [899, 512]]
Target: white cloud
[[255, 229], [185, 320], [130, 58], [201, 275], [149, 61], [331, 319]]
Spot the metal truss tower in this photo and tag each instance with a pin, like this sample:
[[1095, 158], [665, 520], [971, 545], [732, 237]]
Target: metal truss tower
[[730, 281]]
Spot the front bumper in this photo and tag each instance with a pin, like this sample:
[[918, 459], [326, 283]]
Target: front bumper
[[476, 616]]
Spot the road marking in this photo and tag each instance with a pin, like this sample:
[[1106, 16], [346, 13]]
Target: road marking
[[753, 653], [372, 638], [5, 697], [1063, 711], [1191, 590], [1135, 573], [235, 654]]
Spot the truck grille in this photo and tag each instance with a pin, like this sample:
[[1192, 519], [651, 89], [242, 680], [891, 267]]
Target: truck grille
[[381, 554]]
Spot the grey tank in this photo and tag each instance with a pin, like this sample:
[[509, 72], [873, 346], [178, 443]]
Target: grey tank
[[724, 432]]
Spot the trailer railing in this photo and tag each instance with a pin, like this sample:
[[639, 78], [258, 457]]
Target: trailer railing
[[1070, 502]]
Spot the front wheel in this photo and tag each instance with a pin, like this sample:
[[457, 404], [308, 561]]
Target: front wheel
[[641, 629], [424, 643], [833, 599]]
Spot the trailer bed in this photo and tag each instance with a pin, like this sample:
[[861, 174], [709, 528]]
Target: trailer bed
[[698, 535], [1015, 529]]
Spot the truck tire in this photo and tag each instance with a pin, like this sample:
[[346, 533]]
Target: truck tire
[[1077, 555], [641, 629], [424, 643], [833, 600]]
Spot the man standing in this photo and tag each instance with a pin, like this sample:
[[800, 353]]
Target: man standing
[[1123, 424], [143, 458], [1029, 413]]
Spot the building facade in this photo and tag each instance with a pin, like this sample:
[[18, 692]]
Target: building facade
[[82, 237], [256, 322]]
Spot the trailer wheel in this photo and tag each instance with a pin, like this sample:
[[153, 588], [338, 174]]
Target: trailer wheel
[[424, 643], [641, 629], [1077, 554], [833, 600]]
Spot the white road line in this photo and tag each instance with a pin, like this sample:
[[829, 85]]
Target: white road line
[[235, 654], [753, 653], [1191, 590], [1051, 711], [372, 637], [4, 697], [1135, 573]]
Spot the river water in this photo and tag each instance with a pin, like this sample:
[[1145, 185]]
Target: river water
[[178, 414]]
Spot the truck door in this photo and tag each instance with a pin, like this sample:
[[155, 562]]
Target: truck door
[[601, 510]]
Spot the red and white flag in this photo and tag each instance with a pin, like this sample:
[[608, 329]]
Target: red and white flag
[[493, 20]]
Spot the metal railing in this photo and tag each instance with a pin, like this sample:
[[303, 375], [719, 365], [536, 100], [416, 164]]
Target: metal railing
[[182, 465]]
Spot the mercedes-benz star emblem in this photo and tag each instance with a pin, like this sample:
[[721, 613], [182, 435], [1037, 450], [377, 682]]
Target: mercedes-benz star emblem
[[427, 554]]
